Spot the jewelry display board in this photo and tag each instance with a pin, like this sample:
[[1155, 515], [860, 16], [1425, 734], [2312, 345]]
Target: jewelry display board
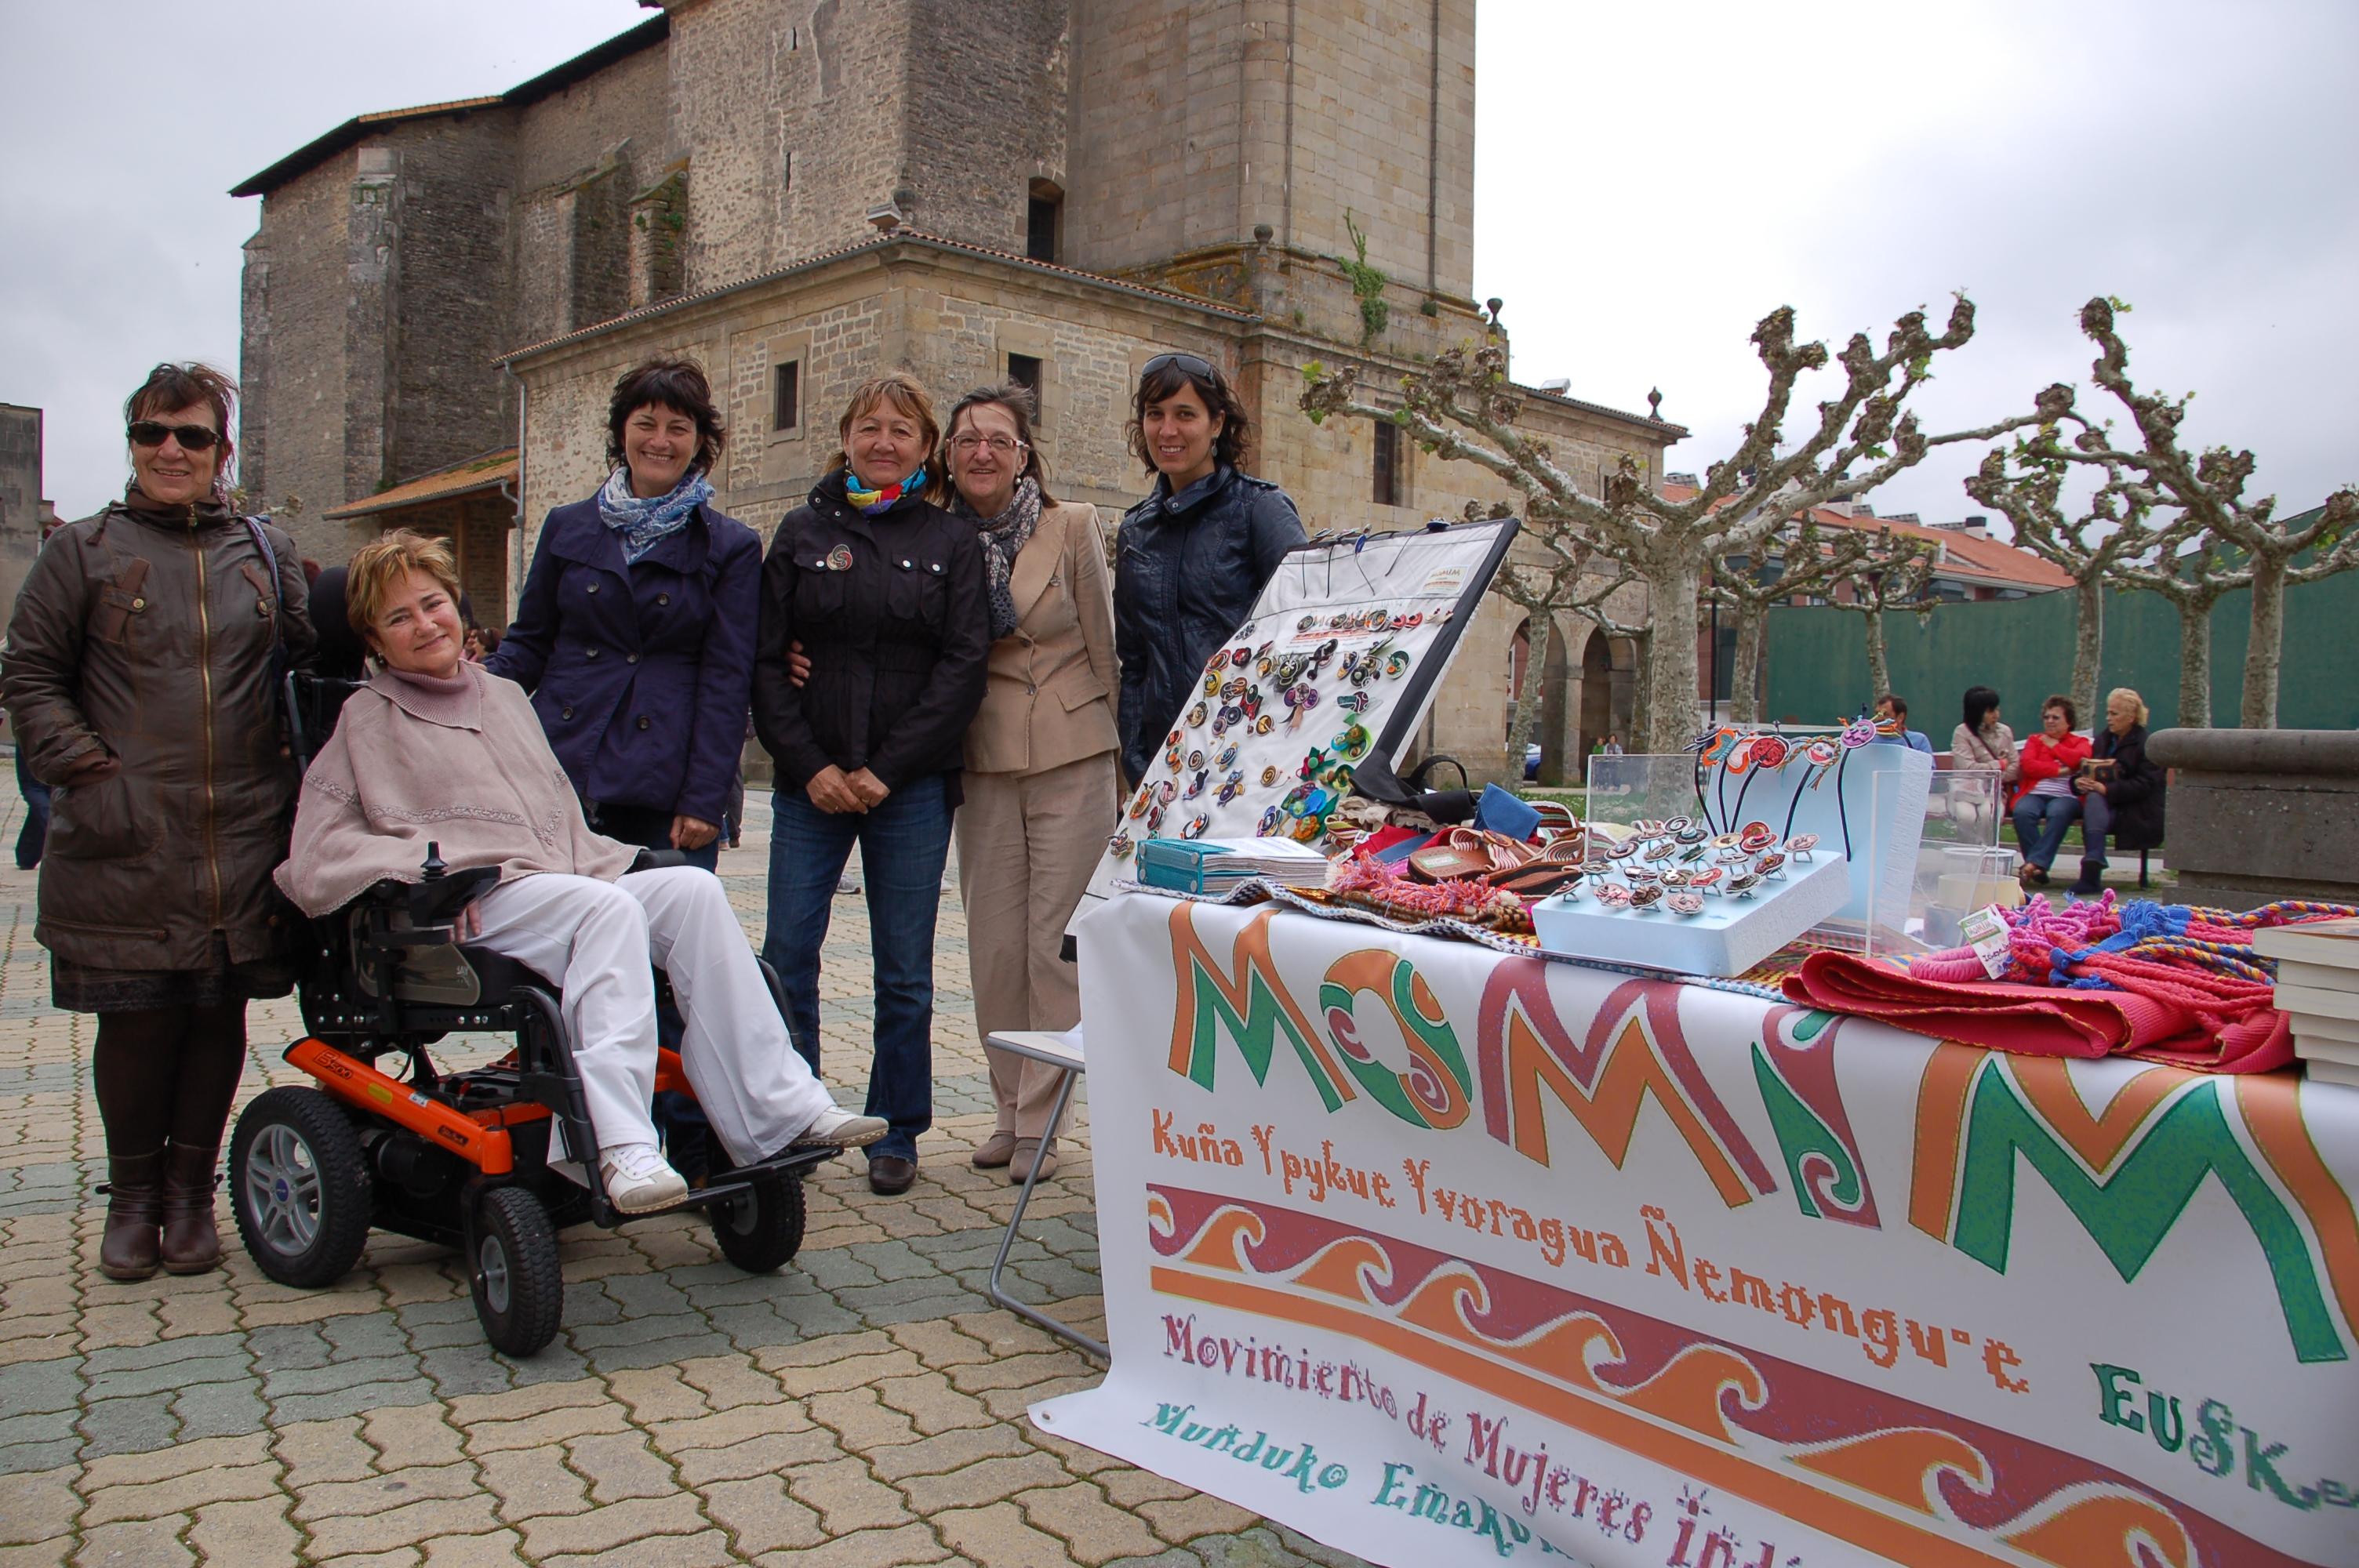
[[1339, 662]]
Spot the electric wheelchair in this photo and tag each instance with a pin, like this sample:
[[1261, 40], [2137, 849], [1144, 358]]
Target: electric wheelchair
[[466, 1159]]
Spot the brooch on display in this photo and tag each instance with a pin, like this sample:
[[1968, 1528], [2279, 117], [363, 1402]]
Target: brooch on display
[[1120, 846]]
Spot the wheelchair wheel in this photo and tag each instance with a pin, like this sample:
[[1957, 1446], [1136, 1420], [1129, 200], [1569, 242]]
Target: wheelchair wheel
[[512, 1273], [300, 1187], [760, 1229]]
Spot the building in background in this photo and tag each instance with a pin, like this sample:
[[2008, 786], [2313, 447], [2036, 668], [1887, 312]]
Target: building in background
[[802, 194], [26, 519]]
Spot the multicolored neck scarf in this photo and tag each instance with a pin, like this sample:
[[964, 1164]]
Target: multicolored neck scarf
[[871, 501], [639, 522]]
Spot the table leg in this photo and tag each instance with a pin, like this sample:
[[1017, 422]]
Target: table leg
[[1023, 1200]]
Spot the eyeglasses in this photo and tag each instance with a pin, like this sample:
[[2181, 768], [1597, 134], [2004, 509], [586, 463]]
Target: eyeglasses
[[1003, 445], [1189, 363], [192, 437]]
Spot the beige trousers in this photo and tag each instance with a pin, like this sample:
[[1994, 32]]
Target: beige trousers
[[1027, 844]]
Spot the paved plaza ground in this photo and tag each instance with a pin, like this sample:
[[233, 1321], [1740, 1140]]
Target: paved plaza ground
[[863, 1407]]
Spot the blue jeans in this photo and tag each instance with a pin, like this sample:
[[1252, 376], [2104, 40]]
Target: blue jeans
[[36, 830], [2039, 824], [903, 845], [2096, 821]]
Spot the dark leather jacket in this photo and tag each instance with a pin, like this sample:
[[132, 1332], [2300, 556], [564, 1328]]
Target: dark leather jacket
[[138, 673], [2135, 789], [891, 611], [1187, 570]]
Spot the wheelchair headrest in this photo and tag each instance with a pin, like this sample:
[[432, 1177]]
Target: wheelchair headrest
[[340, 648]]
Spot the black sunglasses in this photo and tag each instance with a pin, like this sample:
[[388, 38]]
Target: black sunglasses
[[1189, 363], [192, 437]]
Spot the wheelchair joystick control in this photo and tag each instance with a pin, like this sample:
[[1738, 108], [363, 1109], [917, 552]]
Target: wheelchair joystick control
[[434, 865]]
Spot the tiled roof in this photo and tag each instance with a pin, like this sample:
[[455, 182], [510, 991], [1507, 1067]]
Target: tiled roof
[[486, 472], [1656, 423], [1964, 556], [313, 154], [880, 242]]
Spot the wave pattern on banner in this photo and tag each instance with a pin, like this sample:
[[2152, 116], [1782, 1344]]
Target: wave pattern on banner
[[1845, 1459]]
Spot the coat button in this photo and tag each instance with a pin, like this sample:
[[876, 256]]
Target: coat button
[[663, 599], [645, 722], [630, 658], [565, 713], [592, 588], [591, 654]]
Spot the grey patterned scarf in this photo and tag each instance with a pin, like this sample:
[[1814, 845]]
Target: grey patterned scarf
[[1003, 538], [640, 522]]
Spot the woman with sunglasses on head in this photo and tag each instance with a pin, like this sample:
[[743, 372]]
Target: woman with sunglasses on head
[[1194, 554], [886, 594], [141, 674], [635, 636]]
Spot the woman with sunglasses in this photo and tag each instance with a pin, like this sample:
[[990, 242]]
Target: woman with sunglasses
[[886, 593], [141, 673], [1194, 554]]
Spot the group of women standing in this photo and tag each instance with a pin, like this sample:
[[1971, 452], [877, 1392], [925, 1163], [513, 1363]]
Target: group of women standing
[[932, 642]]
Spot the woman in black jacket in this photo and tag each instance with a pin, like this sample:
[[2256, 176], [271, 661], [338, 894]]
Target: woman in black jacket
[[2124, 800], [886, 595], [1193, 556]]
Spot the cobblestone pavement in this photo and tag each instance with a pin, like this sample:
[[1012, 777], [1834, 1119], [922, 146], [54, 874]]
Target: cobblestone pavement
[[863, 1407]]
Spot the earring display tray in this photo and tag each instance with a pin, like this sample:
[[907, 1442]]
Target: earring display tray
[[1731, 936]]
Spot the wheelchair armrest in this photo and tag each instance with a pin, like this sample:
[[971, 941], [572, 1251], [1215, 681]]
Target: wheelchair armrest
[[439, 901], [657, 860]]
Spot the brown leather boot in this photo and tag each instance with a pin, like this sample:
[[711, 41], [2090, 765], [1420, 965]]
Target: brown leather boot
[[191, 1243], [134, 1204]]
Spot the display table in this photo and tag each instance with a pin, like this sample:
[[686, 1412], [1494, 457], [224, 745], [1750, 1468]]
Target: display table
[[1444, 1255]]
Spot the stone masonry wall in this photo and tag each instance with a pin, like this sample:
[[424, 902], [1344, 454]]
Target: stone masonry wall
[[1184, 137], [580, 155], [986, 93], [20, 497], [291, 445]]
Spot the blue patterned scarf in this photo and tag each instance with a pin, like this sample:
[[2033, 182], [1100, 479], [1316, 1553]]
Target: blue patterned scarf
[[639, 522]]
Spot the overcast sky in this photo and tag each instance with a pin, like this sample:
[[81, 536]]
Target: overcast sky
[[1651, 180]]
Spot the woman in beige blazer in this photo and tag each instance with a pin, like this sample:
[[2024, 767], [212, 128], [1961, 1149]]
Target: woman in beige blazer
[[1041, 789]]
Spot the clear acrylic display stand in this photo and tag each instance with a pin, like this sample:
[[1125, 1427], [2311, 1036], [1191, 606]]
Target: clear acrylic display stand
[[1956, 867]]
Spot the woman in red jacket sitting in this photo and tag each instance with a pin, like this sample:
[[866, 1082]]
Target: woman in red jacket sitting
[[2044, 803]]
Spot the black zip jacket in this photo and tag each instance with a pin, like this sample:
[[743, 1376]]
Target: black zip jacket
[[891, 611]]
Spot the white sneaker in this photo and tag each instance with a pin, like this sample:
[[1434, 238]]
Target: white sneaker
[[638, 1179], [833, 1129]]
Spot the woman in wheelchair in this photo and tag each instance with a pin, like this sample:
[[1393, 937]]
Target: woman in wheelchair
[[434, 748]]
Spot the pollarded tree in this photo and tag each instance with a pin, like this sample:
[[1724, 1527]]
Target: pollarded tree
[[2207, 493], [1797, 559], [2194, 571], [1896, 573], [1463, 406], [1565, 580]]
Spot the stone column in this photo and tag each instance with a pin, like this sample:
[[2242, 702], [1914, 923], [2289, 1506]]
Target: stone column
[[2260, 815]]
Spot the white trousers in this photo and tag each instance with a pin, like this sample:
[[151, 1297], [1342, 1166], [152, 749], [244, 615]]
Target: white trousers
[[596, 939]]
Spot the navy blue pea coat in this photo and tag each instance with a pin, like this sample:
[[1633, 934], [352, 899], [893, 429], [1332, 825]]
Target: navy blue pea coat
[[641, 673]]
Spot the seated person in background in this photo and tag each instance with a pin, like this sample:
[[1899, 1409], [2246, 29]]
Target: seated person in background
[[434, 748], [1891, 709], [2044, 803]]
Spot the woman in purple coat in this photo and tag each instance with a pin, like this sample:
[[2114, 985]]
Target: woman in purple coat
[[635, 636]]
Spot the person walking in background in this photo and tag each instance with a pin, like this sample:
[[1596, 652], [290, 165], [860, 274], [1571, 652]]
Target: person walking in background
[[887, 595], [2121, 792], [635, 636], [1040, 788], [1893, 710], [2044, 804], [140, 673], [1193, 556]]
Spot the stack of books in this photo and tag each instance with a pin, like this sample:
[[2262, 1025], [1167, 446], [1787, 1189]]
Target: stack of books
[[2318, 986], [1215, 866]]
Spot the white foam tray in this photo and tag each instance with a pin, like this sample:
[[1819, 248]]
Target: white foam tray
[[1728, 938]]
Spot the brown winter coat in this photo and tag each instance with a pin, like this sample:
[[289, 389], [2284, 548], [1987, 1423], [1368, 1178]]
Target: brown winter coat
[[138, 673]]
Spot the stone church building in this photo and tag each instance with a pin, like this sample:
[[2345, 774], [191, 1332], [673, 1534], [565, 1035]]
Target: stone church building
[[801, 193]]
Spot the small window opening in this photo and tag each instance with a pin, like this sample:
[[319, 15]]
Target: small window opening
[[1387, 478], [1042, 214], [786, 395], [1025, 371]]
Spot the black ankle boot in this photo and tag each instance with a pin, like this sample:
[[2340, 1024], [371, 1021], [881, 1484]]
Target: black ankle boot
[[2091, 881], [134, 1204]]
